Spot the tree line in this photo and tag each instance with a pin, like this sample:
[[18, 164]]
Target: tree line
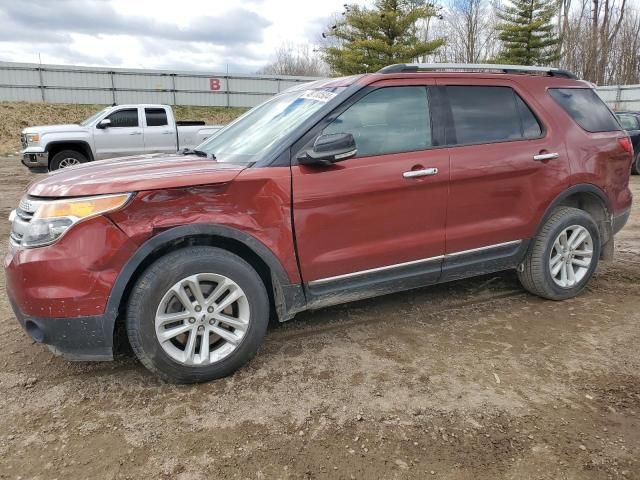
[[599, 40]]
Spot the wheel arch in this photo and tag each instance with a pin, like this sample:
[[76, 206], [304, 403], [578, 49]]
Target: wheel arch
[[593, 200], [81, 146], [285, 298]]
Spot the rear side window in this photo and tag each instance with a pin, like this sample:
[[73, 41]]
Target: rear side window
[[388, 120], [124, 118], [490, 114], [156, 117], [586, 108], [629, 122]]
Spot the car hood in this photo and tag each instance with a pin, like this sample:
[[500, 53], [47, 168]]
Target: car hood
[[42, 129], [134, 174]]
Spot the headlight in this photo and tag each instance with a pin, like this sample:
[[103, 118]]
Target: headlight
[[33, 137], [38, 223]]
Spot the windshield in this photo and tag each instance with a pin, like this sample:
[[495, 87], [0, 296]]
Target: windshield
[[88, 121], [256, 132]]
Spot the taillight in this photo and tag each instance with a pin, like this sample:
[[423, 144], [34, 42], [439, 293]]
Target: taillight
[[625, 143]]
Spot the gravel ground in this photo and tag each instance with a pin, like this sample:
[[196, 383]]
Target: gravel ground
[[469, 380]]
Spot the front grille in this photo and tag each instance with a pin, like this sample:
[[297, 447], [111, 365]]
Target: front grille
[[23, 140]]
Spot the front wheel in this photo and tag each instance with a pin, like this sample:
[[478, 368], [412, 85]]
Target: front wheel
[[197, 314], [66, 158], [563, 256], [636, 165]]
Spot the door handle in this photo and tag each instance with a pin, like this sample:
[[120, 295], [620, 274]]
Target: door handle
[[167, 133], [427, 172], [545, 156], [135, 133]]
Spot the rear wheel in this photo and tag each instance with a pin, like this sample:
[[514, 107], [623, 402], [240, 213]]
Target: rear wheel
[[197, 314], [66, 158], [636, 165], [563, 256]]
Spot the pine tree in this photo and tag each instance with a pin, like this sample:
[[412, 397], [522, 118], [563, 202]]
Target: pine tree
[[367, 39], [527, 32]]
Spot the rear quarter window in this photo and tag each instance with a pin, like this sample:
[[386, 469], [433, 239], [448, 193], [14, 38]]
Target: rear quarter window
[[586, 108]]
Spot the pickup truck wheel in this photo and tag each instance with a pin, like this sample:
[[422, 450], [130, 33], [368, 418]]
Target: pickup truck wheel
[[563, 256], [197, 314], [66, 158]]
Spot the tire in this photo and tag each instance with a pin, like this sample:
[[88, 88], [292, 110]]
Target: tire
[[65, 159], [535, 273], [151, 297]]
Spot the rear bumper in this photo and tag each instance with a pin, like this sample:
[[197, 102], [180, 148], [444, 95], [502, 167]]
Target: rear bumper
[[80, 338], [619, 221]]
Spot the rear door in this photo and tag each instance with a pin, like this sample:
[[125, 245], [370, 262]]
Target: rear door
[[159, 136], [123, 137], [380, 216], [506, 165]]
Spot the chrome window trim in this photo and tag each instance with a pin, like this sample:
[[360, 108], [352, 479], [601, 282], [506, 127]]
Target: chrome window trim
[[322, 281]]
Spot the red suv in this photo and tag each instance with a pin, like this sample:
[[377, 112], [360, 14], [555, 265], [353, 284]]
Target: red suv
[[327, 193]]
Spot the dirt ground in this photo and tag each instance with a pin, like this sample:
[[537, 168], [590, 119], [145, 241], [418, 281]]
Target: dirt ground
[[469, 380]]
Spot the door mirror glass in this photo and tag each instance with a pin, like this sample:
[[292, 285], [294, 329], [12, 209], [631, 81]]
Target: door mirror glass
[[330, 148], [104, 123]]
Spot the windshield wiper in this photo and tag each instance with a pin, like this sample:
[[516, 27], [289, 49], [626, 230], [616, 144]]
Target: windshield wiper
[[200, 153]]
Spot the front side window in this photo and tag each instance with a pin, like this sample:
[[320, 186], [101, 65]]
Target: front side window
[[490, 114], [586, 108], [629, 122], [156, 117], [124, 118], [387, 120]]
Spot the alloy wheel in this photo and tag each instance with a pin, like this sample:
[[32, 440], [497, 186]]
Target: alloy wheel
[[202, 319], [571, 256], [68, 162]]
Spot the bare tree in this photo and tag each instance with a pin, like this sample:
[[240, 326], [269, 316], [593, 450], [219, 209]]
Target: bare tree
[[469, 29], [473, 28], [596, 36], [290, 59]]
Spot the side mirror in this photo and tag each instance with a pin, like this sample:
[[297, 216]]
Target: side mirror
[[104, 123], [328, 149]]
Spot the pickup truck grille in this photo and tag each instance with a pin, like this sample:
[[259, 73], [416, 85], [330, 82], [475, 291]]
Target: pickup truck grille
[[23, 140], [21, 217]]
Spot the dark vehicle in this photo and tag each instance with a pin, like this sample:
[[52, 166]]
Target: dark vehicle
[[630, 121], [330, 192]]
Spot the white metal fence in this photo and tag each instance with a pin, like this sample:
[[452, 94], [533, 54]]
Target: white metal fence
[[622, 97], [32, 82]]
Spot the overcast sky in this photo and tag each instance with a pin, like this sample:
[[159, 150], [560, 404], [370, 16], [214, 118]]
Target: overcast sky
[[173, 34]]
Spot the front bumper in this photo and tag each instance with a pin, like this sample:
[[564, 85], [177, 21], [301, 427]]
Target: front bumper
[[60, 292], [80, 338], [35, 159]]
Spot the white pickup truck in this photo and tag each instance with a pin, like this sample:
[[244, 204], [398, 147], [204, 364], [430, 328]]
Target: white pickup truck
[[116, 131]]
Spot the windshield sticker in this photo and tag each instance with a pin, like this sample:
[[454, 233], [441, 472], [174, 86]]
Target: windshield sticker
[[318, 95]]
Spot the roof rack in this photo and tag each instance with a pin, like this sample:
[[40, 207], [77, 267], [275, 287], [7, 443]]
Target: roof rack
[[476, 67]]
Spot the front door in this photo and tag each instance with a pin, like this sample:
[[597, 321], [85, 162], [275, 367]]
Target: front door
[[122, 137], [379, 218]]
